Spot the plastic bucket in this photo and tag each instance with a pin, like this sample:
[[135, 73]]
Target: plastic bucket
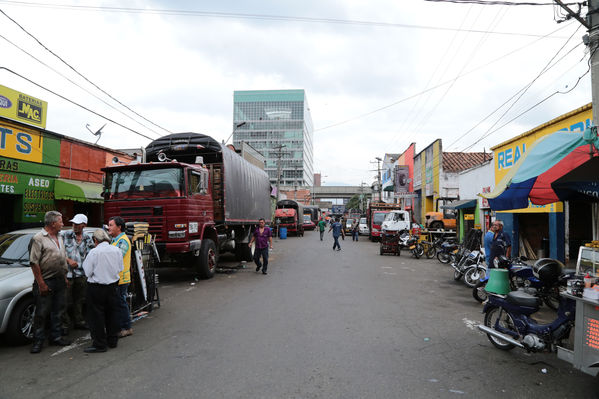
[[283, 233], [499, 282]]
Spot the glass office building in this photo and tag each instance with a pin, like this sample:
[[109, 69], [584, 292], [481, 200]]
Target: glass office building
[[266, 119]]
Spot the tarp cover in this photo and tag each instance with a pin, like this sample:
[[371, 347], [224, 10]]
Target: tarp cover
[[461, 204]]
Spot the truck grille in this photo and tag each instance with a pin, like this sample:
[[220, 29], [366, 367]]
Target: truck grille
[[144, 214]]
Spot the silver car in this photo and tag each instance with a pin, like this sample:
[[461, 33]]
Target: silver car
[[16, 279], [363, 227]]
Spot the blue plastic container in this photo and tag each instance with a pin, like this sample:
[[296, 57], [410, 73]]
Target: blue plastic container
[[283, 233]]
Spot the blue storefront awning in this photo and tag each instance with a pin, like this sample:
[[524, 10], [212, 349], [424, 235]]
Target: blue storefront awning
[[461, 204]]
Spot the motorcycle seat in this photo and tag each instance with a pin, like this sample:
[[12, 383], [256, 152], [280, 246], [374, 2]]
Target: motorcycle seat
[[521, 298]]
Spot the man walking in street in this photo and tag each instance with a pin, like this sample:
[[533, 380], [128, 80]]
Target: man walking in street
[[501, 243], [77, 246], [48, 260], [321, 226], [337, 231], [102, 267], [116, 229], [263, 237], [355, 229]]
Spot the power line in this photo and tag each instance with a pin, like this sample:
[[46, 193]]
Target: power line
[[543, 70], [438, 85], [78, 73], [213, 14], [74, 103], [500, 3], [76, 84]]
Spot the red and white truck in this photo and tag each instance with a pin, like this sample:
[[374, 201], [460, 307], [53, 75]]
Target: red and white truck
[[198, 197], [376, 215]]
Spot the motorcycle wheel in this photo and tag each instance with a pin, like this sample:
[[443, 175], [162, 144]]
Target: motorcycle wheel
[[551, 298], [473, 276], [443, 257], [457, 275], [478, 292], [431, 252], [496, 315], [418, 251]]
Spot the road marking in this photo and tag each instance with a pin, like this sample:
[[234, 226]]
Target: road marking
[[391, 274], [471, 324], [77, 343], [386, 267]]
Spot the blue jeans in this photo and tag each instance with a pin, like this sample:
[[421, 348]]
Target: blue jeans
[[53, 305], [261, 252], [123, 308], [355, 235], [336, 243]]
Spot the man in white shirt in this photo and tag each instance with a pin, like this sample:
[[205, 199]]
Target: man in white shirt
[[102, 267]]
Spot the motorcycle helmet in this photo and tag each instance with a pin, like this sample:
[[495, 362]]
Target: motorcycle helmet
[[548, 270], [501, 261]]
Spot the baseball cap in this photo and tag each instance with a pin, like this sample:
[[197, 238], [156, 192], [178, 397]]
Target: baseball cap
[[79, 218]]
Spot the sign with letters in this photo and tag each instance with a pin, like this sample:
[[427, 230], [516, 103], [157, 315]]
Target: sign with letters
[[22, 108], [21, 143]]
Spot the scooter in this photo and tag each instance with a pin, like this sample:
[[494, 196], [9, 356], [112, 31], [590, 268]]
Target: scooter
[[470, 262], [508, 322], [406, 241], [521, 275]]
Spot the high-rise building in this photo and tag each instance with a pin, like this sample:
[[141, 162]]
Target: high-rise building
[[267, 119]]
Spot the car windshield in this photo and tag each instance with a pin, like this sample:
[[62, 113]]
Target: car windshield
[[378, 218], [363, 221], [14, 248], [349, 222], [307, 218], [145, 183]]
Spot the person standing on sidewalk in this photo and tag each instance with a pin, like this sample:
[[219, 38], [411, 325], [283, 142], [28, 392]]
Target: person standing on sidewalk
[[77, 246], [263, 237], [321, 226], [337, 231], [116, 229], [102, 267], [48, 260], [488, 239]]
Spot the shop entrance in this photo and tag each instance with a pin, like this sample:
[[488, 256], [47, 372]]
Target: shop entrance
[[534, 235], [7, 218], [580, 227]]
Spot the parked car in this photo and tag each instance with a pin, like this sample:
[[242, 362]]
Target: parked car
[[363, 227], [16, 279], [348, 225], [308, 223]]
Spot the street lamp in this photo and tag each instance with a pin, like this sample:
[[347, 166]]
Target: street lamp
[[237, 126]]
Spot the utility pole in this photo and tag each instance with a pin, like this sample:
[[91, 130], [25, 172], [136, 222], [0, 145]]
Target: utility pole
[[378, 170], [279, 155]]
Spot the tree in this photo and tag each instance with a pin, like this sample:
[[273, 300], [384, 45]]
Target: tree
[[354, 202]]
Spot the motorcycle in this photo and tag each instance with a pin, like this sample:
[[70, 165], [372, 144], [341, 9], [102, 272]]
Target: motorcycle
[[507, 321], [447, 249], [411, 243], [431, 247], [470, 262], [521, 275]]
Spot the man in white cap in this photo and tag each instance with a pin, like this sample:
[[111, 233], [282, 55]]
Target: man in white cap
[[77, 246]]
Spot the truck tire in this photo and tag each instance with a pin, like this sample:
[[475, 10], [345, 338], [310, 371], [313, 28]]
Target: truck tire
[[437, 225], [20, 326], [205, 261]]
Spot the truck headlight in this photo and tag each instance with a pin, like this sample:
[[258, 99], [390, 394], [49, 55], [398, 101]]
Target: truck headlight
[[193, 227]]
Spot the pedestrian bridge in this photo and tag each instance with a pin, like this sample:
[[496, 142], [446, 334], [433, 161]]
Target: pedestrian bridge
[[324, 192]]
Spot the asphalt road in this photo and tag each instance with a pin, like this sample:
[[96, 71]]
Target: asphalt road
[[321, 324]]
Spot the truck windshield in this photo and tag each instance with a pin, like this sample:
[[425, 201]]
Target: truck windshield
[[378, 218], [129, 184], [394, 217]]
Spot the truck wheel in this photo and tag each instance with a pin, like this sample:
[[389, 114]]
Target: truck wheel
[[381, 249], [205, 261], [437, 225], [20, 326]]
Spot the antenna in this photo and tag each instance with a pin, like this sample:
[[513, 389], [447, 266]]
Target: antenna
[[97, 133]]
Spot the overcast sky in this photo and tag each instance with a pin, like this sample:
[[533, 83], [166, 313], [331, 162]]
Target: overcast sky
[[378, 74]]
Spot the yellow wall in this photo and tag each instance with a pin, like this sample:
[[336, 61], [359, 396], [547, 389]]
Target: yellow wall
[[509, 152]]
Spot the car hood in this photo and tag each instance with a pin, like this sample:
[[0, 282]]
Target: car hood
[[10, 271]]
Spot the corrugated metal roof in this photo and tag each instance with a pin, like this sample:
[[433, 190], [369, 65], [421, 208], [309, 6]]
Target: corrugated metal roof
[[458, 161]]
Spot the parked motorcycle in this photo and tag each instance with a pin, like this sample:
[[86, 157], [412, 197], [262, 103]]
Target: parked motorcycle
[[431, 247], [471, 262], [447, 249], [507, 320], [406, 241], [521, 275]]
